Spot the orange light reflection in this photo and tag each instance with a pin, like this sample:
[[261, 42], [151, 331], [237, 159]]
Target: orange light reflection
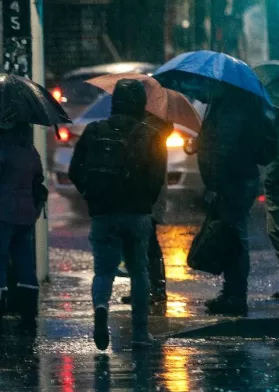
[[176, 374], [175, 242], [177, 306]]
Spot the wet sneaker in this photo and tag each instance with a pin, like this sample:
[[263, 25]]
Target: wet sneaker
[[142, 339], [153, 299], [230, 305], [101, 333]]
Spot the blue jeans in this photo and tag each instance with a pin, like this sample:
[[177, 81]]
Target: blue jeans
[[17, 244], [234, 206], [111, 237]]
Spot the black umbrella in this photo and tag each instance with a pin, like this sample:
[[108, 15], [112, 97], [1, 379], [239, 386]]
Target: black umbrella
[[22, 100]]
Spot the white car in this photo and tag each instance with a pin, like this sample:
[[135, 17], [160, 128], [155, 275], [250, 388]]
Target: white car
[[182, 169]]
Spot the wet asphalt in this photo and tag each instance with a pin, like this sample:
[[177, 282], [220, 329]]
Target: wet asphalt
[[62, 357]]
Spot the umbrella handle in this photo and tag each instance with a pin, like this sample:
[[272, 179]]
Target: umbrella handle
[[190, 147], [56, 131]]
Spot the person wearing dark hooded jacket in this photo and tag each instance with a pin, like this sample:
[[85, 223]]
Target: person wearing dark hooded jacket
[[121, 222], [229, 171], [20, 167]]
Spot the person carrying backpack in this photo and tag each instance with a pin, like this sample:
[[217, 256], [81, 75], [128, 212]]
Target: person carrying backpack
[[116, 169]]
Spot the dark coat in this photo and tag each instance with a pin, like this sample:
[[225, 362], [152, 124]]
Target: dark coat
[[19, 164], [128, 109], [150, 179], [226, 144], [272, 196]]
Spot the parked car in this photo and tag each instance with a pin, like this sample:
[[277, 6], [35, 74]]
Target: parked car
[[75, 95], [182, 168]]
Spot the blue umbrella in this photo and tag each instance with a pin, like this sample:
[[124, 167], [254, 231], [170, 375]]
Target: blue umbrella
[[201, 72]]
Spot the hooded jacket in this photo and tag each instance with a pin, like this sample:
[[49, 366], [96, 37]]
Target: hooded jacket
[[128, 108]]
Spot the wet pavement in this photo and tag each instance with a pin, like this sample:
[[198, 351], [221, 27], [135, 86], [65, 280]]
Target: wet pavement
[[63, 356], [179, 366]]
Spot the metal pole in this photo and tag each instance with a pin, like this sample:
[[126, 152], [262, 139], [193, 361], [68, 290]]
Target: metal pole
[[38, 75]]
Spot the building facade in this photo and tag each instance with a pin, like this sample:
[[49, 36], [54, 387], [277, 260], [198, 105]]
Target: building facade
[[74, 35]]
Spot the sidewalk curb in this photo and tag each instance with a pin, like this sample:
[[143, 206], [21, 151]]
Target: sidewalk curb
[[244, 328]]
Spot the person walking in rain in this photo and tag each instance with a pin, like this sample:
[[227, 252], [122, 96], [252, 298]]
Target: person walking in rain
[[20, 171], [156, 266], [116, 169], [230, 173]]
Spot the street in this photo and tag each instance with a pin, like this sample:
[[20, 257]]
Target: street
[[63, 357], [69, 243], [185, 212], [183, 45]]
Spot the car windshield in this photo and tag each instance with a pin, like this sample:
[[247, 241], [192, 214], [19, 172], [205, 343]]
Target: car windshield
[[77, 92], [100, 109]]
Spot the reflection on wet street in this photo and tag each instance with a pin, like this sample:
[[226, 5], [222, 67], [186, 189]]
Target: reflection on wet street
[[175, 241], [175, 366], [63, 357]]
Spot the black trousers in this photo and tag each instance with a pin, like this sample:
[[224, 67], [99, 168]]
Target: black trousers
[[156, 268]]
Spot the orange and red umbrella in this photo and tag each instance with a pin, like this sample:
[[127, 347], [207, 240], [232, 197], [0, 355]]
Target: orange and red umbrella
[[166, 104]]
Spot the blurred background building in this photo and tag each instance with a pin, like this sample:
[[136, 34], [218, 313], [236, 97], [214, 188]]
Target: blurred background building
[[79, 33]]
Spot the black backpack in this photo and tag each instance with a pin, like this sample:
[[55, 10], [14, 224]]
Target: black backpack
[[112, 160]]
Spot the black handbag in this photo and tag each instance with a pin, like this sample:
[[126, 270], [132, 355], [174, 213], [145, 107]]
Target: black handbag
[[215, 246]]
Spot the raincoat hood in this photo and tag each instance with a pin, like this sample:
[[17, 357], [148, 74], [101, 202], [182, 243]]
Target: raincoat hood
[[129, 98]]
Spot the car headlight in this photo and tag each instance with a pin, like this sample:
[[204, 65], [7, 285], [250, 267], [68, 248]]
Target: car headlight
[[175, 140]]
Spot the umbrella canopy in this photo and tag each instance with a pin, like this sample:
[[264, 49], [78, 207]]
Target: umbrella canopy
[[22, 100], [199, 70], [268, 74], [163, 103]]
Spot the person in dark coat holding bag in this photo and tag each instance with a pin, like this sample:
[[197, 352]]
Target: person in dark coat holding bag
[[230, 173], [20, 175]]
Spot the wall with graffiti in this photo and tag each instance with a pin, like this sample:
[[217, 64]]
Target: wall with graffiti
[[17, 54]]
